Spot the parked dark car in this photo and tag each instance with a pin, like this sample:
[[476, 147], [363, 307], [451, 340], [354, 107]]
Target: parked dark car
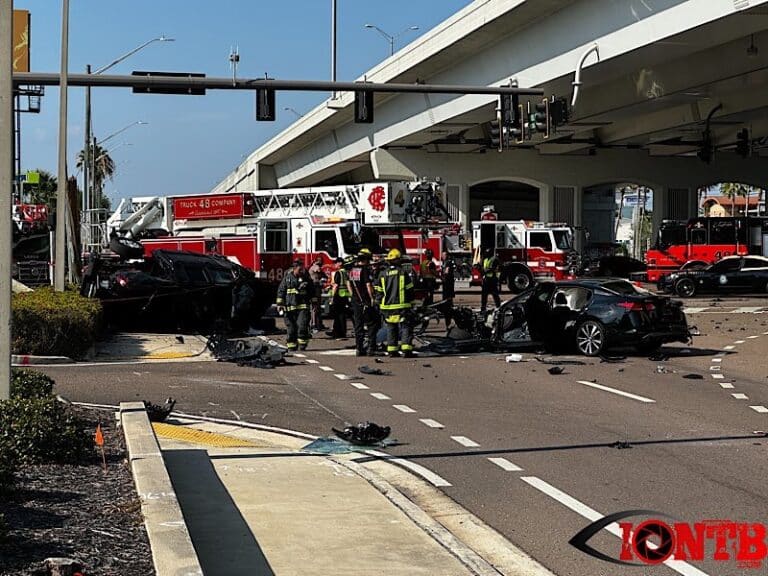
[[614, 266], [731, 274], [178, 291]]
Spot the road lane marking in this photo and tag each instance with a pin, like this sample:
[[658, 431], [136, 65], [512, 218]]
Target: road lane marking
[[726, 385], [760, 409], [717, 359], [431, 423], [425, 473], [714, 368], [752, 337], [359, 385], [403, 408], [464, 441], [380, 396], [740, 396], [748, 309], [728, 347], [343, 377], [718, 376], [693, 310], [739, 342], [619, 392], [593, 516], [326, 368], [506, 465], [310, 361], [765, 333], [721, 354], [300, 355]]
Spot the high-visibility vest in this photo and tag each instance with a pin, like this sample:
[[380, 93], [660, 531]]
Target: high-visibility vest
[[396, 288], [490, 267], [427, 269], [343, 291]]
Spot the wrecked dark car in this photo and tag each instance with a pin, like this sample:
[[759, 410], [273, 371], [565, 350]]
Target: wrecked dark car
[[589, 316], [177, 291]]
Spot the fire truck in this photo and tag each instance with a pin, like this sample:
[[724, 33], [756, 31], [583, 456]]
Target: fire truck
[[527, 250], [703, 241], [266, 230]]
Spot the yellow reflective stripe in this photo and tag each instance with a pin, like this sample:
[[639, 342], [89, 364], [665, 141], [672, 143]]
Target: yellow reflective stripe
[[292, 291]]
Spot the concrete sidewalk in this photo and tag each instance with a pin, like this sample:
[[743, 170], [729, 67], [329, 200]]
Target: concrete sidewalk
[[255, 504]]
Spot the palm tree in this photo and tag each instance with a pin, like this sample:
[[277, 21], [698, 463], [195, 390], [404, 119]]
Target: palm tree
[[103, 169], [732, 190], [45, 191]]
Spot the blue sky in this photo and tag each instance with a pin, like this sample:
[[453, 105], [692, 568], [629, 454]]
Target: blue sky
[[190, 142]]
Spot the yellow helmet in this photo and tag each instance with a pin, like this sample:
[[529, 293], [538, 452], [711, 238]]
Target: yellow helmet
[[393, 254], [364, 252]]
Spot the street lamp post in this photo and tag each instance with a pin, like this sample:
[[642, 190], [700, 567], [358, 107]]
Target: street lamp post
[[389, 37], [6, 176]]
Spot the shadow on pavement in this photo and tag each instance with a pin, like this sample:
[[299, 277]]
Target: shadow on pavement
[[224, 543]]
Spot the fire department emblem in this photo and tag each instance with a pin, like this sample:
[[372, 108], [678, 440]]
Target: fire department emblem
[[376, 199]]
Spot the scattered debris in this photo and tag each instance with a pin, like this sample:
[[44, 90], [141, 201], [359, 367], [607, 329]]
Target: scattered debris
[[612, 359], [693, 376], [621, 445], [514, 358], [661, 369], [157, 413], [427, 365], [374, 371], [254, 352], [364, 434], [180, 339], [658, 357], [556, 370], [559, 362]]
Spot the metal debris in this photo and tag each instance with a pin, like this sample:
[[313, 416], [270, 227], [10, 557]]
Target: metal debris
[[556, 370], [257, 352], [364, 434], [374, 371]]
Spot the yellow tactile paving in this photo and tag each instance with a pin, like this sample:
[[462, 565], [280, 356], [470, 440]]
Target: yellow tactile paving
[[194, 436], [169, 355]]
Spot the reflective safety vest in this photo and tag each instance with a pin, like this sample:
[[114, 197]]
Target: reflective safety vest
[[490, 267], [340, 278], [395, 288], [427, 269], [294, 293]]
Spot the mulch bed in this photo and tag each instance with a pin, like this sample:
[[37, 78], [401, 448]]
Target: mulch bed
[[78, 512]]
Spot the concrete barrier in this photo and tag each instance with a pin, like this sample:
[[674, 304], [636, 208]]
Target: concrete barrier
[[172, 551]]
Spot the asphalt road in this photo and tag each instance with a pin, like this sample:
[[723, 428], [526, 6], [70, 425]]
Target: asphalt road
[[536, 456]]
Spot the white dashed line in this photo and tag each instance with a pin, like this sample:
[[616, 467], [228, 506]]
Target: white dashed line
[[714, 368], [380, 396], [728, 347], [326, 368], [343, 377], [739, 342], [359, 385], [726, 385], [760, 409], [464, 441], [752, 337], [506, 465], [721, 354], [431, 423], [593, 516], [765, 333], [740, 396], [717, 359], [717, 376], [300, 355], [403, 408], [619, 392], [310, 361]]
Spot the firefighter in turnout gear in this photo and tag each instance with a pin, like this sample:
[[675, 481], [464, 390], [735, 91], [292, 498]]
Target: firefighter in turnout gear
[[293, 297], [339, 300], [490, 280], [428, 273], [365, 318], [394, 288]]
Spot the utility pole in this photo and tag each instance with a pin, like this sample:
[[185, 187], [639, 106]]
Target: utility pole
[[61, 193], [6, 175], [86, 203], [333, 46]]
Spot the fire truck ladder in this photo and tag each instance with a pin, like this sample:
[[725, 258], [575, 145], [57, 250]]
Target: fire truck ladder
[[342, 202]]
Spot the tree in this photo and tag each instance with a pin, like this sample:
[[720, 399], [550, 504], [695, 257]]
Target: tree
[[45, 191], [103, 169], [732, 190]]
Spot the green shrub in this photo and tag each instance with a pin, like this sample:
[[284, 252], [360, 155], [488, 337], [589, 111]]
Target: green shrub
[[3, 529], [30, 384], [7, 469], [42, 430], [51, 323]]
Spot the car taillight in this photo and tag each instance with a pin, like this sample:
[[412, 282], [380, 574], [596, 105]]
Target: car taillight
[[122, 280], [632, 306]]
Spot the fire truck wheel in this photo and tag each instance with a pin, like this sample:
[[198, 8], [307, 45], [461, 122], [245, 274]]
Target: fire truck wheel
[[519, 280], [126, 248], [685, 288], [590, 338]]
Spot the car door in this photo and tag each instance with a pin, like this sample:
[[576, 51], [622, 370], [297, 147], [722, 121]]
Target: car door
[[755, 273], [727, 276]]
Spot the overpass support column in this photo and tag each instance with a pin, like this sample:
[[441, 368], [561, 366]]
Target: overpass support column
[[578, 218], [546, 203], [464, 216]]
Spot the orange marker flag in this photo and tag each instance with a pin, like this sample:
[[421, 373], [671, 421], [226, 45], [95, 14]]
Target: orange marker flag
[[99, 436]]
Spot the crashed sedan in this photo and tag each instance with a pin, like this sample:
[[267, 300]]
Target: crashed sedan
[[177, 291], [589, 316]]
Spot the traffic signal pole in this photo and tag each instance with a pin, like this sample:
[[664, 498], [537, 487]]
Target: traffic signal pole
[[6, 177]]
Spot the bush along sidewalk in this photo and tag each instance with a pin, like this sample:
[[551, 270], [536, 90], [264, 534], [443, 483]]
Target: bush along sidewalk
[[49, 323]]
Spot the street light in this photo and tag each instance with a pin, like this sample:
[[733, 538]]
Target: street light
[[390, 38], [123, 129], [289, 109]]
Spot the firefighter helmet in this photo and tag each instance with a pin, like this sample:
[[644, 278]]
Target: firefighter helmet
[[394, 254]]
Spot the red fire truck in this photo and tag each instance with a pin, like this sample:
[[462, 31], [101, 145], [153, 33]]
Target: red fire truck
[[703, 241], [265, 230], [527, 250]]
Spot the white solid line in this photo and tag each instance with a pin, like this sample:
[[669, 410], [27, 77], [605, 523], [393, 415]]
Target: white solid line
[[403, 408], [717, 359], [359, 385], [760, 409], [425, 473], [300, 355], [326, 368], [740, 396], [752, 337], [310, 361], [693, 310], [343, 377], [718, 376], [728, 347], [726, 385], [619, 392], [464, 441], [739, 342], [380, 396], [431, 423], [748, 309], [593, 516], [506, 465]]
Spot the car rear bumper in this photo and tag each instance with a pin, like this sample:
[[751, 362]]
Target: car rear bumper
[[674, 335]]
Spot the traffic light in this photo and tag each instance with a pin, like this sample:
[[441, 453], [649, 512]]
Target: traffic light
[[497, 133], [363, 107], [743, 143], [707, 149], [559, 113], [539, 119], [265, 105]]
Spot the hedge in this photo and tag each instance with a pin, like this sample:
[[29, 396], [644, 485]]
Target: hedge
[[30, 384], [49, 323]]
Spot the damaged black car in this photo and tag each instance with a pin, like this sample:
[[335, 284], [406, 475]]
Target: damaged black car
[[177, 291]]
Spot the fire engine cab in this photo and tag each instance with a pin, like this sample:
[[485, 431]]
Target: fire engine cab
[[265, 230], [527, 250]]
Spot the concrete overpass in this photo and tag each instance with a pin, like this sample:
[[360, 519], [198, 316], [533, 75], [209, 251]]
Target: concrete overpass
[[664, 66]]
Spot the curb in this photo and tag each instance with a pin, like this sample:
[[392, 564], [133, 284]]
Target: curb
[[172, 550], [30, 360]]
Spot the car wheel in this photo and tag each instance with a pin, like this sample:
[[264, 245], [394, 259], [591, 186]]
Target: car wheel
[[519, 280], [685, 288], [590, 338], [126, 248]]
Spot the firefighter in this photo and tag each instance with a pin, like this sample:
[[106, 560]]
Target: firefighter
[[339, 300], [394, 288], [318, 277], [428, 272], [365, 317], [448, 277], [293, 297], [490, 279]]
